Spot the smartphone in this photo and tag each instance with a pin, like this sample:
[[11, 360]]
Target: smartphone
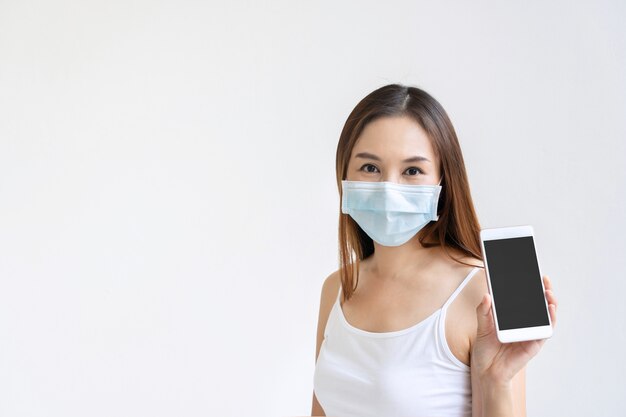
[[520, 308]]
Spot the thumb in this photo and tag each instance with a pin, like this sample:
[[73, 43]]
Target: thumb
[[484, 316]]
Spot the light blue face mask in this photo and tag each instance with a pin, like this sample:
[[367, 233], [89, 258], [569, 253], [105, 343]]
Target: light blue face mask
[[391, 214]]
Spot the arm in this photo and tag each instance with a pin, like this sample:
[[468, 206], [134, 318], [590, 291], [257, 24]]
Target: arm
[[329, 294], [516, 394], [498, 369], [316, 409]]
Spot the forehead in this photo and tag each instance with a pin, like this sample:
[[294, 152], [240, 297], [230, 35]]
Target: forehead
[[395, 137]]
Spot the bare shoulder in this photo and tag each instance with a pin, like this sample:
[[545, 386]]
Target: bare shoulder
[[461, 325], [473, 292], [476, 287], [330, 289], [470, 298]]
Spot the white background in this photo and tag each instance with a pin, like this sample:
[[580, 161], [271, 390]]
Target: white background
[[168, 206]]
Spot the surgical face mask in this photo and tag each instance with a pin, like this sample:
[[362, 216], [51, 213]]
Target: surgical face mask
[[391, 214]]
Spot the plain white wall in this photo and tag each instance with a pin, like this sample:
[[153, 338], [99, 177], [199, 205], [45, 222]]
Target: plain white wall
[[168, 204]]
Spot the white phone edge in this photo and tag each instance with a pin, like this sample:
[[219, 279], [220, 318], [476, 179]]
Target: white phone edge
[[525, 333]]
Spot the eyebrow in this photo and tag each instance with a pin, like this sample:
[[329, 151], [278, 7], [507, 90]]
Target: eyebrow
[[367, 155]]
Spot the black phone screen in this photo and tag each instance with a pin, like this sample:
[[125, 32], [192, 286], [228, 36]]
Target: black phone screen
[[516, 283]]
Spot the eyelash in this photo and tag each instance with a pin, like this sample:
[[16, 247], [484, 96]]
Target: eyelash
[[415, 168], [363, 168]]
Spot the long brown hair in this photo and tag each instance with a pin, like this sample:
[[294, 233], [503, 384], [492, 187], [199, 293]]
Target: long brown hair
[[457, 226]]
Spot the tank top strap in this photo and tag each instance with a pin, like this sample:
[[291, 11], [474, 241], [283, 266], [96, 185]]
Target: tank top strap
[[460, 287]]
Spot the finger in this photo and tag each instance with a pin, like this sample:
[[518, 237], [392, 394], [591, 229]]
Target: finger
[[551, 298], [547, 283], [552, 309], [483, 316]]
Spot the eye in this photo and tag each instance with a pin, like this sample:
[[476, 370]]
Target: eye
[[413, 171], [369, 168]]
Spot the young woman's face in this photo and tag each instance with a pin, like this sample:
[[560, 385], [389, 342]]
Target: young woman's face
[[394, 149]]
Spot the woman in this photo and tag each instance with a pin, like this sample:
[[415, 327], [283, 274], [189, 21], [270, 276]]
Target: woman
[[405, 325]]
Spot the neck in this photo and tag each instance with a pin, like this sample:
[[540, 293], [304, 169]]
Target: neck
[[392, 262]]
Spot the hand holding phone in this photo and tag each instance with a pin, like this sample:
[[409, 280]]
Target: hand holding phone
[[520, 309]]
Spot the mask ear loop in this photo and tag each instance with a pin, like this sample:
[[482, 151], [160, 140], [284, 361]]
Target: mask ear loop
[[439, 198]]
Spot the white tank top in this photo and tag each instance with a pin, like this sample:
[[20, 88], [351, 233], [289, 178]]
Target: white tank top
[[405, 373]]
